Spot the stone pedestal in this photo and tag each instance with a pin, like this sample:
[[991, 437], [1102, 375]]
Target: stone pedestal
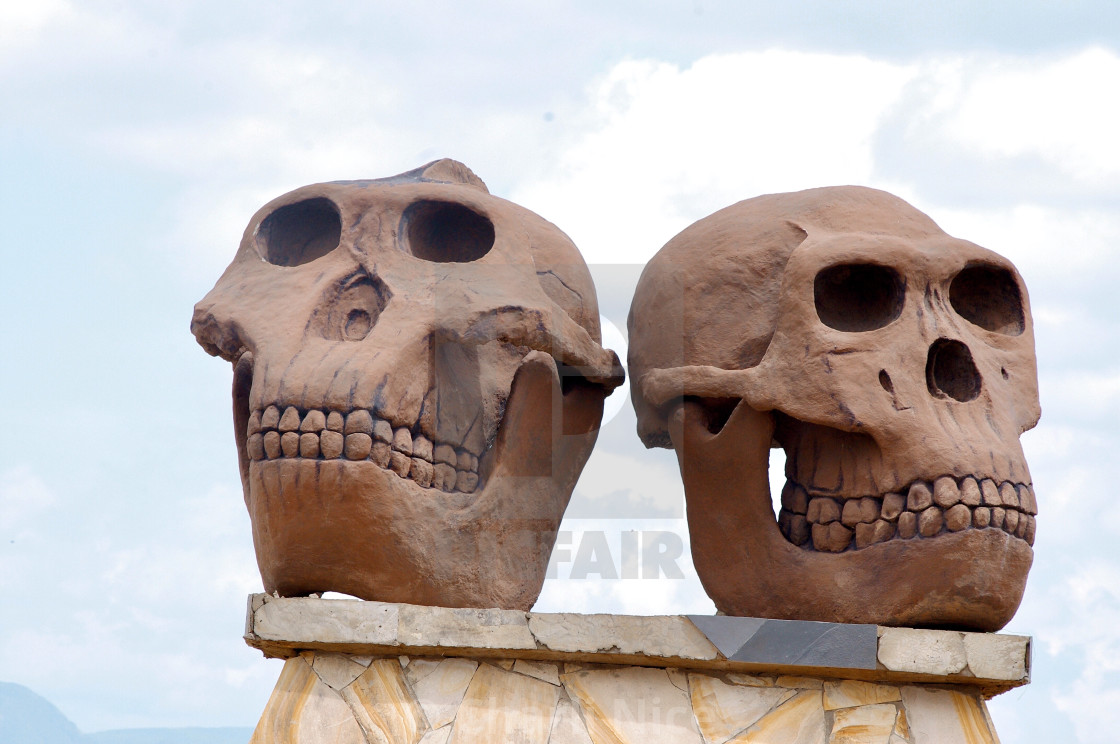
[[376, 673]]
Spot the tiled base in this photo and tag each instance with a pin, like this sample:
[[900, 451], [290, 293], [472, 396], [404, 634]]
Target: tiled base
[[341, 698]]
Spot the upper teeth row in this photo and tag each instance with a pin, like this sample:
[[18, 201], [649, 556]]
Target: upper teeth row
[[925, 510], [328, 435]]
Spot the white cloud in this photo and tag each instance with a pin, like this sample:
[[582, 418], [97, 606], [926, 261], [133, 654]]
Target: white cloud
[[660, 146]]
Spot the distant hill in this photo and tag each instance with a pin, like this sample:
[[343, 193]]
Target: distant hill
[[29, 718]]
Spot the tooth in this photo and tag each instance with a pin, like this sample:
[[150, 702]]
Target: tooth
[[381, 454], [893, 505], [358, 446], [255, 445], [1021, 530], [289, 443], [990, 492], [875, 532], [270, 418], [359, 422], [331, 444], [794, 526], [868, 509], [272, 444], [421, 472], [945, 492], [1029, 534], [1011, 521], [290, 420], [474, 463], [335, 422], [254, 424], [467, 481], [998, 515], [920, 497], [970, 492], [907, 525], [315, 421], [958, 517], [981, 517], [445, 476], [930, 521], [831, 538], [851, 515], [823, 510], [444, 453], [383, 431], [422, 447], [309, 445], [794, 498], [400, 463], [1008, 496], [402, 441], [1026, 500], [463, 461]]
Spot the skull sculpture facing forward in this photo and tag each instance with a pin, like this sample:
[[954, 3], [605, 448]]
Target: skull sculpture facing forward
[[895, 366], [418, 381]]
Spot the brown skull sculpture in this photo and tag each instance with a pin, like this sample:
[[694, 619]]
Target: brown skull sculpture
[[418, 381], [895, 366]]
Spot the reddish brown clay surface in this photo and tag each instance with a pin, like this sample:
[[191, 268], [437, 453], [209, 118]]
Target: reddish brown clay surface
[[895, 366], [418, 381]]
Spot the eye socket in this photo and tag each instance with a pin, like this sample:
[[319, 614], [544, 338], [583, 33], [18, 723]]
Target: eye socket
[[350, 310], [858, 297], [445, 232], [300, 233], [989, 296]]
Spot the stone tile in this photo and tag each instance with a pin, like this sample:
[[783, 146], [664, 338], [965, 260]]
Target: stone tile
[[868, 724], [464, 628], [506, 664], [849, 693], [902, 727], [440, 691], [799, 721], [304, 709], [992, 656], [791, 642], [723, 710], [337, 670], [752, 680], [505, 706], [803, 683], [679, 678], [439, 736], [938, 652], [326, 621], [567, 726], [632, 705], [542, 670], [417, 669], [939, 716], [383, 706], [672, 636]]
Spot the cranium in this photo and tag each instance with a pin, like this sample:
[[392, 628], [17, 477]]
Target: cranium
[[418, 381], [895, 366]]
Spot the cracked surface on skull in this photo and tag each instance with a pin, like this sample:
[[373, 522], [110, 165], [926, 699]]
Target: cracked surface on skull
[[418, 381], [895, 366]]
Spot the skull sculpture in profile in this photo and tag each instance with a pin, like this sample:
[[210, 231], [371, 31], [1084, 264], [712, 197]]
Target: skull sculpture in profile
[[892, 363], [418, 382]]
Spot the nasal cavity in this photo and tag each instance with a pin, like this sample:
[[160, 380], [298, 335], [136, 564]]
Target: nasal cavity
[[950, 371]]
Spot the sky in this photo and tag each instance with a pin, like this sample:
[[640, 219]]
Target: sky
[[137, 139]]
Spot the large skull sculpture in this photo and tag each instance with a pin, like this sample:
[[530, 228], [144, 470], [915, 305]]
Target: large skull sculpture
[[418, 381], [895, 366]]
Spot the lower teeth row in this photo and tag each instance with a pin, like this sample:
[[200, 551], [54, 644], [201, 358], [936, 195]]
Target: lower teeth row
[[835, 525]]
